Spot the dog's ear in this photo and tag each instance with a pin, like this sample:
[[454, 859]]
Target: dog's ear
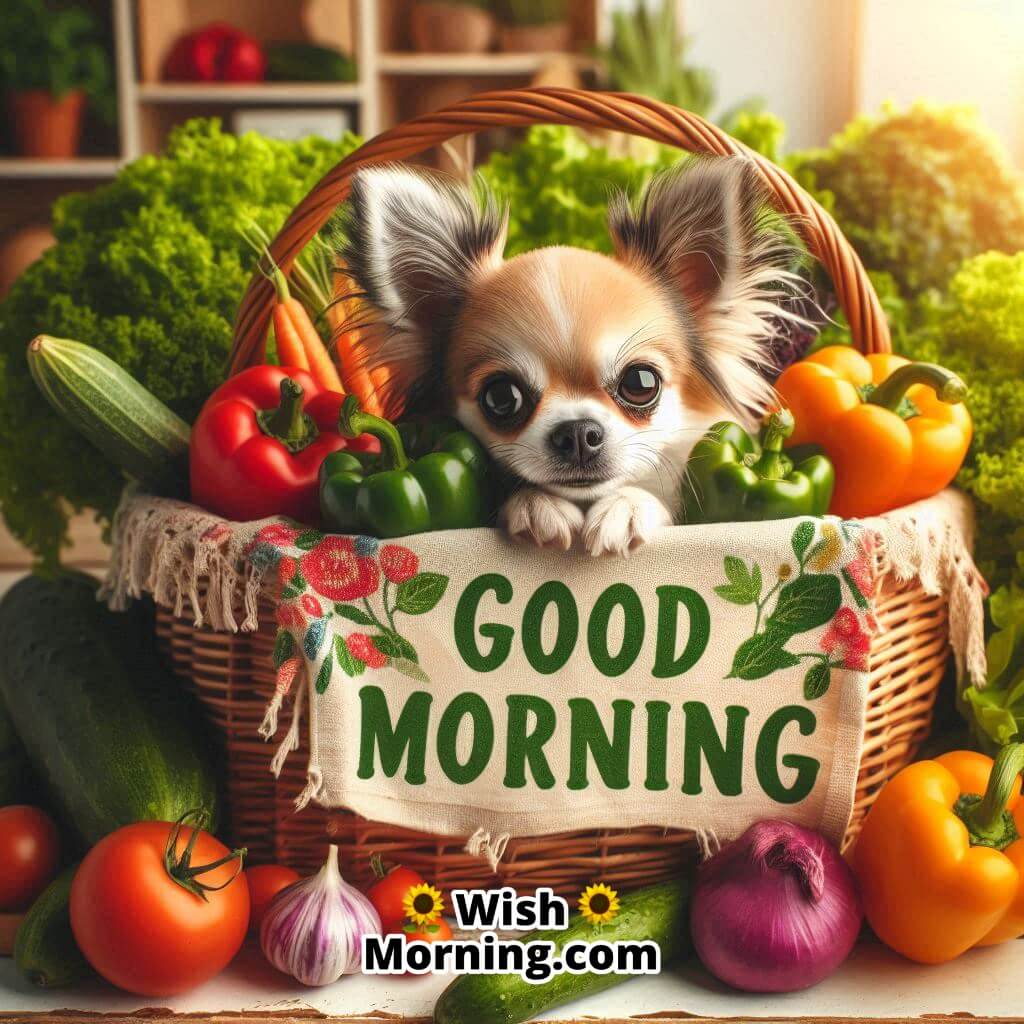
[[415, 240], [695, 226], [705, 230]]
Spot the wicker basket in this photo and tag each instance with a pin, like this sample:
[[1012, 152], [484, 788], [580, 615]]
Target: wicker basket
[[232, 673]]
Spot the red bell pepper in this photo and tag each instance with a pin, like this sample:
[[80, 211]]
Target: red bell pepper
[[258, 442]]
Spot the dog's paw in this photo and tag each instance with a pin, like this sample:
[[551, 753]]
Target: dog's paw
[[620, 523], [536, 517]]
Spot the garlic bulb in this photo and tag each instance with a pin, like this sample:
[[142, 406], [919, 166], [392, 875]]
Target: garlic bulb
[[313, 930]]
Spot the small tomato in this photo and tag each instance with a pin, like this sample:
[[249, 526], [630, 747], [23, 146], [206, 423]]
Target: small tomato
[[265, 882], [29, 851], [387, 893], [158, 908], [438, 931]]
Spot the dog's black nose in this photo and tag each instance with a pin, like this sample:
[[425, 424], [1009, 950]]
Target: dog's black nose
[[577, 442]]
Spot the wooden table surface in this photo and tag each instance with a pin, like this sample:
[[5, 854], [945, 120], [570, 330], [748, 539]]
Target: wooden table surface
[[875, 985]]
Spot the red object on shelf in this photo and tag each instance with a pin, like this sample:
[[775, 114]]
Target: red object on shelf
[[244, 61], [218, 52]]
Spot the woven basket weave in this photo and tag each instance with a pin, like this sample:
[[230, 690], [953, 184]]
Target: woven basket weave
[[232, 672]]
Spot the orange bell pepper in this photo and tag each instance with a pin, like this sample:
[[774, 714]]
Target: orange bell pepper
[[941, 866], [895, 431]]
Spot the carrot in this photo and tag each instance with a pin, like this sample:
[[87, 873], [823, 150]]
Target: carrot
[[289, 346], [354, 374], [290, 350], [323, 370], [298, 342]]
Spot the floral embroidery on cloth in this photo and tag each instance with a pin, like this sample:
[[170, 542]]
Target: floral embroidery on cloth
[[361, 580], [805, 597]]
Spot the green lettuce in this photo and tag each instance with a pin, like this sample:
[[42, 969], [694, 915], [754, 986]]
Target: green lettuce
[[976, 328], [918, 191], [150, 270], [557, 185]]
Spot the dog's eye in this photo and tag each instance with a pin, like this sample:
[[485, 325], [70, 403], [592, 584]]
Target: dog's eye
[[640, 386], [502, 400]]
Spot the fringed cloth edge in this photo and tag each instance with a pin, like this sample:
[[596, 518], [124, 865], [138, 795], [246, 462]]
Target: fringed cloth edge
[[195, 562]]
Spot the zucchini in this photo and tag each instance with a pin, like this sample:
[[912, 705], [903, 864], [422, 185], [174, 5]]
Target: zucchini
[[659, 912], [308, 62], [110, 408], [110, 733], [15, 774], [45, 951]]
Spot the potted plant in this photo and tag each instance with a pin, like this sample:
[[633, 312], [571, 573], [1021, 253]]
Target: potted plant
[[534, 26], [452, 26], [51, 64], [647, 55]]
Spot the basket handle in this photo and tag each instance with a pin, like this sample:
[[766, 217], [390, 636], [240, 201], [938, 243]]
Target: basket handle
[[516, 108]]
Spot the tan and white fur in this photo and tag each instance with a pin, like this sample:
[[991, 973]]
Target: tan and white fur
[[612, 368]]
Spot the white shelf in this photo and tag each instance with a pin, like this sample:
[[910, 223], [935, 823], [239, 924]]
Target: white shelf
[[84, 167], [475, 64], [257, 92]]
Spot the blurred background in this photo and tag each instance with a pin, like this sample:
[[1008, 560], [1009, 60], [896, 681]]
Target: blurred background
[[127, 71], [92, 85]]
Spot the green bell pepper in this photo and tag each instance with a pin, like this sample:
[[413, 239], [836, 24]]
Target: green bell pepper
[[392, 496], [733, 477]]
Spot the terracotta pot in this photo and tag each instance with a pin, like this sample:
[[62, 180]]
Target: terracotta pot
[[18, 251], [46, 127], [451, 28], [535, 38]]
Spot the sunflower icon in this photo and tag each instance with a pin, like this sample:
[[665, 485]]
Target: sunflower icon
[[423, 904], [599, 904]]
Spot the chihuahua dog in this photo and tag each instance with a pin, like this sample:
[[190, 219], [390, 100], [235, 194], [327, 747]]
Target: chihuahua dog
[[589, 378]]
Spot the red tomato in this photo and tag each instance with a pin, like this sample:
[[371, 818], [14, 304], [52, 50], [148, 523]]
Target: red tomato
[[243, 60], [387, 893], [143, 930], [265, 882], [29, 850]]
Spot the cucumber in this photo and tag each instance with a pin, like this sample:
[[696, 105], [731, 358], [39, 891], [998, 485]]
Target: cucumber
[[308, 62], [110, 408], [660, 912], [110, 733], [45, 951], [15, 774]]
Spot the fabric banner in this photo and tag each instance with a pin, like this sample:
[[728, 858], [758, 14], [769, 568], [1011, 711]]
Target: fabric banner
[[456, 682]]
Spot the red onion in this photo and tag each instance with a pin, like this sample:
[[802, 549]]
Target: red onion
[[776, 910]]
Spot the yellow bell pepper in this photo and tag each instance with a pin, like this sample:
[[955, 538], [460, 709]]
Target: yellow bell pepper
[[894, 430], [940, 859]]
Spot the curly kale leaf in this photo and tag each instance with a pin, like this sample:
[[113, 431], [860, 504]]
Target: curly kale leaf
[[150, 270], [917, 192], [977, 329], [557, 186]]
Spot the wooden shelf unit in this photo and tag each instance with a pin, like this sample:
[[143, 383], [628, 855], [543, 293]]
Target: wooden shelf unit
[[478, 65], [243, 95], [375, 31], [394, 82], [81, 168]]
